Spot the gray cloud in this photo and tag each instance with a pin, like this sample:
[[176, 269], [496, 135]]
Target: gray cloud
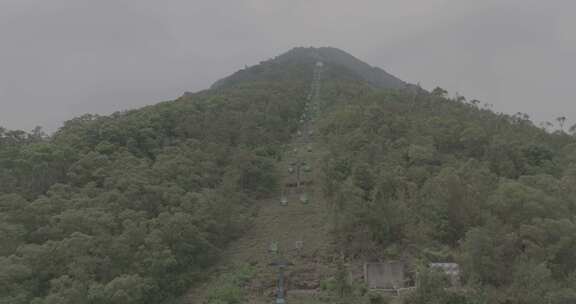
[[62, 58]]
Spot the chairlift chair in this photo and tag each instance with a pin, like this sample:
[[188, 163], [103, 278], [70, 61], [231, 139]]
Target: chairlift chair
[[299, 245], [304, 198], [274, 247]]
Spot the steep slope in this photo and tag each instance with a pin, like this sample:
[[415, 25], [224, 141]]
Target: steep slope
[[134, 207], [301, 233], [374, 76], [160, 192], [196, 196], [298, 63], [422, 178], [296, 223]]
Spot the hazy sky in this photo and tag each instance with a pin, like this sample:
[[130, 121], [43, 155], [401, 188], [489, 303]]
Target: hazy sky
[[62, 58]]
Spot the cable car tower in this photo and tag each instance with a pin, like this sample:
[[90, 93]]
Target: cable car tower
[[281, 264]]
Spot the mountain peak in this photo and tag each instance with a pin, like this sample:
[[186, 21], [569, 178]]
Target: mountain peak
[[295, 64]]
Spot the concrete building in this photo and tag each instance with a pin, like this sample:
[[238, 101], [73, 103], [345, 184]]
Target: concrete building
[[386, 275]]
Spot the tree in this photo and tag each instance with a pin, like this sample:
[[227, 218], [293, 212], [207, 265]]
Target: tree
[[488, 253], [431, 288], [531, 283], [573, 129], [561, 121], [126, 289], [439, 92]]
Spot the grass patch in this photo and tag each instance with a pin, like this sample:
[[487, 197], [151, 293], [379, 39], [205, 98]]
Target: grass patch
[[231, 286]]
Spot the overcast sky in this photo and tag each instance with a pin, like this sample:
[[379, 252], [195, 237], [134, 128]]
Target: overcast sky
[[62, 58]]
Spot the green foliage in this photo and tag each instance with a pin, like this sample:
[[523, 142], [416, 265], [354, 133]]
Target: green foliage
[[425, 177], [230, 288], [376, 298], [431, 289], [134, 207]]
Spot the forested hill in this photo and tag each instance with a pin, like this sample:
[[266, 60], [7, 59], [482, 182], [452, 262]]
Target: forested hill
[[424, 178], [299, 62], [133, 207], [136, 206]]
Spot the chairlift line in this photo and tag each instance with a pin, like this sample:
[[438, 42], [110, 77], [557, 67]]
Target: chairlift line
[[311, 108]]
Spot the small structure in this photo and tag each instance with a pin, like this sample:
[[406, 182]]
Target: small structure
[[387, 275], [452, 270], [281, 265], [299, 245], [283, 200], [319, 64], [274, 247]]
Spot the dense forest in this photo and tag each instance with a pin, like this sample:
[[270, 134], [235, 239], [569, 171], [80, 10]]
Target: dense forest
[[136, 206], [426, 178], [132, 208]]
